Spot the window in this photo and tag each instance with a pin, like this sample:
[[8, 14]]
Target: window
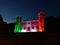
[[37, 27], [24, 28], [32, 27], [28, 23], [40, 19], [28, 28], [41, 14], [42, 26], [33, 22], [36, 22]]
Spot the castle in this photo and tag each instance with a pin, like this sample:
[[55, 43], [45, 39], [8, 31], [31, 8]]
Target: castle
[[30, 26]]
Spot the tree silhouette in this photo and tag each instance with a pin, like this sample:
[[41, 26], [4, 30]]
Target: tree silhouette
[[3, 25], [52, 24], [1, 19]]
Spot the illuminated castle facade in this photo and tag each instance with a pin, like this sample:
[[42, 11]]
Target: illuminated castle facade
[[30, 26]]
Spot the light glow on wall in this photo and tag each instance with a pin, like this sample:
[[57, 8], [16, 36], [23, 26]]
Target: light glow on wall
[[18, 25], [33, 30], [23, 30], [41, 21]]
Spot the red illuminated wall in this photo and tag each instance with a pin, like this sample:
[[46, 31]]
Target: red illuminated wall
[[41, 21]]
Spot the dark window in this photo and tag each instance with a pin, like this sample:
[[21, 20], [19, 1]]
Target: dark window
[[32, 27], [42, 26], [24, 28], [42, 14], [36, 22], [40, 19], [28, 28], [17, 17], [28, 23], [33, 22], [37, 27]]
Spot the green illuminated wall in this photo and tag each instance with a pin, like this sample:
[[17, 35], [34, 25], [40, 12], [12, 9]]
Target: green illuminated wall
[[18, 25]]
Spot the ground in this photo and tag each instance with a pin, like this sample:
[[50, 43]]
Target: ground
[[30, 39]]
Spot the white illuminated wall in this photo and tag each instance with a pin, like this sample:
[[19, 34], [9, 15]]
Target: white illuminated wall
[[29, 26]]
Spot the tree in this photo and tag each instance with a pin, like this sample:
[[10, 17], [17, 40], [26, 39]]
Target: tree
[[1, 19]]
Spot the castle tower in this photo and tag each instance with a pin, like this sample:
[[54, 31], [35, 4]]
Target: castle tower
[[18, 25], [41, 21]]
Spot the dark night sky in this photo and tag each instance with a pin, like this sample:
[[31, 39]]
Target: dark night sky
[[28, 9]]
